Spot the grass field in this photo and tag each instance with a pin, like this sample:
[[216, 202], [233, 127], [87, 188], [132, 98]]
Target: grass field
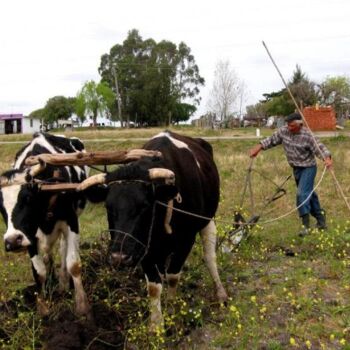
[[285, 292]]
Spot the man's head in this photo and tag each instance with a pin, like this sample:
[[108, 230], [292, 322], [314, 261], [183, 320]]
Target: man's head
[[294, 123]]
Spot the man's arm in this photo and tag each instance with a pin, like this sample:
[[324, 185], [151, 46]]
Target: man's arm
[[325, 154], [272, 141], [255, 150], [328, 162]]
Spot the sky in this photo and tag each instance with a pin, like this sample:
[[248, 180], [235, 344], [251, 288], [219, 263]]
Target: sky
[[50, 48]]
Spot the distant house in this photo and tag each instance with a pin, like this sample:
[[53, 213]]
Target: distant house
[[18, 124], [11, 123], [206, 121], [101, 121], [31, 125]]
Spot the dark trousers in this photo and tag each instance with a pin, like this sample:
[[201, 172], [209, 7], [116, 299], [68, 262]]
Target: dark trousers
[[305, 178]]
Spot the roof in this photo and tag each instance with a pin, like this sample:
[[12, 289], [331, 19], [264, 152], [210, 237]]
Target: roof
[[11, 116]]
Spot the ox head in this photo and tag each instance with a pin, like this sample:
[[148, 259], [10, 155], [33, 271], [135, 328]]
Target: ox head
[[18, 206], [132, 212]]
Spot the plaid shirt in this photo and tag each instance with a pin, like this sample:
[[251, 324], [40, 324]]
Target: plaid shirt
[[300, 148]]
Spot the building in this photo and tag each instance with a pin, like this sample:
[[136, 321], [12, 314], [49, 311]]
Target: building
[[320, 118], [31, 125], [11, 123], [18, 124]]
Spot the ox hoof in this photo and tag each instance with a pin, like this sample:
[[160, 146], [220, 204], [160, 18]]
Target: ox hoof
[[42, 307], [156, 324], [222, 296], [156, 328], [82, 307], [171, 296]]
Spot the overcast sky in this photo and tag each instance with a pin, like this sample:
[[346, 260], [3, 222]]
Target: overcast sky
[[50, 48]]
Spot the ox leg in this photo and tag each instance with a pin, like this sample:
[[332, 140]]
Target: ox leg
[[173, 280], [154, 289], [74, 268], [178, 258], [208, 236], [63, 274], [46, 243], [39, 273]]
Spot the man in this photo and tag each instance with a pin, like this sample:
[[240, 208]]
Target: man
[[300, 148]]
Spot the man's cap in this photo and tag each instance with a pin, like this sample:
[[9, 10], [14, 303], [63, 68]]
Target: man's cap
[[293, 116]]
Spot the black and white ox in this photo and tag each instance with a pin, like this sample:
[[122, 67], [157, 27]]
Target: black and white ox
[[142, 227], [35, 219]]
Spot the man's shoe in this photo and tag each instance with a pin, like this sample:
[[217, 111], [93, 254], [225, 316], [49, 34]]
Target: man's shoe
[[305, 219], [321, 220], [304, 232]]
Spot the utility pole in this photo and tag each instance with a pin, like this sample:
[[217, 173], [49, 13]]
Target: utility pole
[[119, 100]]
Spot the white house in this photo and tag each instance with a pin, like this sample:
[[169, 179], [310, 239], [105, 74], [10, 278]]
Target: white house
[[30, 125], [101, 121]]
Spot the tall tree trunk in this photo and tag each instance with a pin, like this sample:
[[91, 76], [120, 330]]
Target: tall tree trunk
[[94, 119]]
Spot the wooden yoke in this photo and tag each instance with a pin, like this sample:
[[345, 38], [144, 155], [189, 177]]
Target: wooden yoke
[[58, 187], [92, 158]]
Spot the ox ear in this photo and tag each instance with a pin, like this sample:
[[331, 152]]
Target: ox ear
[[4, 181], [97, 193], [165, 192]]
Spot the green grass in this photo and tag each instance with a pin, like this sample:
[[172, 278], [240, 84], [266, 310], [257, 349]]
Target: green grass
[[277, 301]]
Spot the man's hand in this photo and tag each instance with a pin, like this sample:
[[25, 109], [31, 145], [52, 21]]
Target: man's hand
[[255, 151], [328, 162]]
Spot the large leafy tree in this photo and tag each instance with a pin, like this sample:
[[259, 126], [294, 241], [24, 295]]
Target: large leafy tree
[[94, 99], [152, 78], [58, 107], [335, 91]]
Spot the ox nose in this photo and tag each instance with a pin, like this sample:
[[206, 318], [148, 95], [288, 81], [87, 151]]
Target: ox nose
[[117, 259], [14, 243]]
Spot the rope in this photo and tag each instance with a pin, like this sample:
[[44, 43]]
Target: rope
[[307, 125], [301, 204], [249, 224]]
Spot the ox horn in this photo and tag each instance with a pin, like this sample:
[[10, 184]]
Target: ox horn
[[37, 169], [92, 180], [162, 173], [4, 181]]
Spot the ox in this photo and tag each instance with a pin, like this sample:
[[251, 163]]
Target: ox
[[35, 219], [142, 231]]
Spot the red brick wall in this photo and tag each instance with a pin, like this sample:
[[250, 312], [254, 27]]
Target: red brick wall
[[322, 118]]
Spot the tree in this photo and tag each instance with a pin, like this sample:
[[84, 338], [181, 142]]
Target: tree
[[58, 107], [225, 91], [279, 105], [257, 111], [303, 89], [94, 99], [153, 78], [38, 114], [182, 112], [335, 91]]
